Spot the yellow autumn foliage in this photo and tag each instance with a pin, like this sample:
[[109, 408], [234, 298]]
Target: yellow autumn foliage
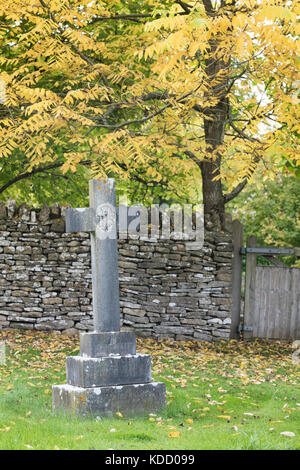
[[132, 88]]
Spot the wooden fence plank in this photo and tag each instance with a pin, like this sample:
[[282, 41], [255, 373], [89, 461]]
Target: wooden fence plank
[[274, 299], [276, 303], [259, 302], [286, 314], [250, 288], [266, 307], [295, 305], [258, 295], [236, 278]]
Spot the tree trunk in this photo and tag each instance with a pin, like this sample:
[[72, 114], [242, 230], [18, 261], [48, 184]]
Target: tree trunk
[[214, 208], [214, 128], [213, 199]]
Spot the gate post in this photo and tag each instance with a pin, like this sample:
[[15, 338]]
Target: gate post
[[236, 278], [250, 289]]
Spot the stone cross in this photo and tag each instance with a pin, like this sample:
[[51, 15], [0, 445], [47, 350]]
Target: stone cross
[[100, 220], [108, 376]]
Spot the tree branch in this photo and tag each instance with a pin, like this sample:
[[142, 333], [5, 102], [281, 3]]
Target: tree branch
[[27, 174], [236, 191], [208, 7], [138, 16], [242, 134], [184, 6], [150, 116]]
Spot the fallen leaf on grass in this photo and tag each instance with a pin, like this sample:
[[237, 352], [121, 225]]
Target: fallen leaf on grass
[[78, 438], [5, 429], [118, 413], [174, 434], [287, 434]]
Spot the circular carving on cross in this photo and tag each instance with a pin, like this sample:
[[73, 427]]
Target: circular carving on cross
[[105, 218]]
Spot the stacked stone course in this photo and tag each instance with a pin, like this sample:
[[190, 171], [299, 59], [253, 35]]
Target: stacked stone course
[[165, 289]]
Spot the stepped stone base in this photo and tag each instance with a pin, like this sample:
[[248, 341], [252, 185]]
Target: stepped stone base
[[108, 377], [130, 400], [113, 370], [107, 343]]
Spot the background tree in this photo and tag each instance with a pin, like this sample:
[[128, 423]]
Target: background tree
[[155, 92], [270, 210]]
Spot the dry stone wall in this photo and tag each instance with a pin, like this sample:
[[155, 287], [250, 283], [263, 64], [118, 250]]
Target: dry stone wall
[[165, 290]]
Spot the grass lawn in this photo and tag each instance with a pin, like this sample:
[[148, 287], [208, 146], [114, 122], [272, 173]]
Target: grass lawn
[[227, 395]]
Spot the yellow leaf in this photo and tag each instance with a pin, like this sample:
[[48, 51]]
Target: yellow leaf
[[47, 391], [81, 398], [118, 413], [189, 421], [10, 387], [7, 428], [30, 384], [224, 416], [78, 438], [174, 434]]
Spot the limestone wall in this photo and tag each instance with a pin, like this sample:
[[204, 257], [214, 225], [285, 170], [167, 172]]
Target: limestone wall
[[165, 290]]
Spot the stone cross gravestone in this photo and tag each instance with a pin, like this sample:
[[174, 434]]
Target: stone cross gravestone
[[108, 376]]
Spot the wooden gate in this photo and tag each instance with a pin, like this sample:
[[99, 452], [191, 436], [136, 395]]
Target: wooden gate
[[272, 293], [276, 312]]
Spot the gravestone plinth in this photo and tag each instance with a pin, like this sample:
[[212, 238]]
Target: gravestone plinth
[[106, 343], [108, 376], [103, 383]]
